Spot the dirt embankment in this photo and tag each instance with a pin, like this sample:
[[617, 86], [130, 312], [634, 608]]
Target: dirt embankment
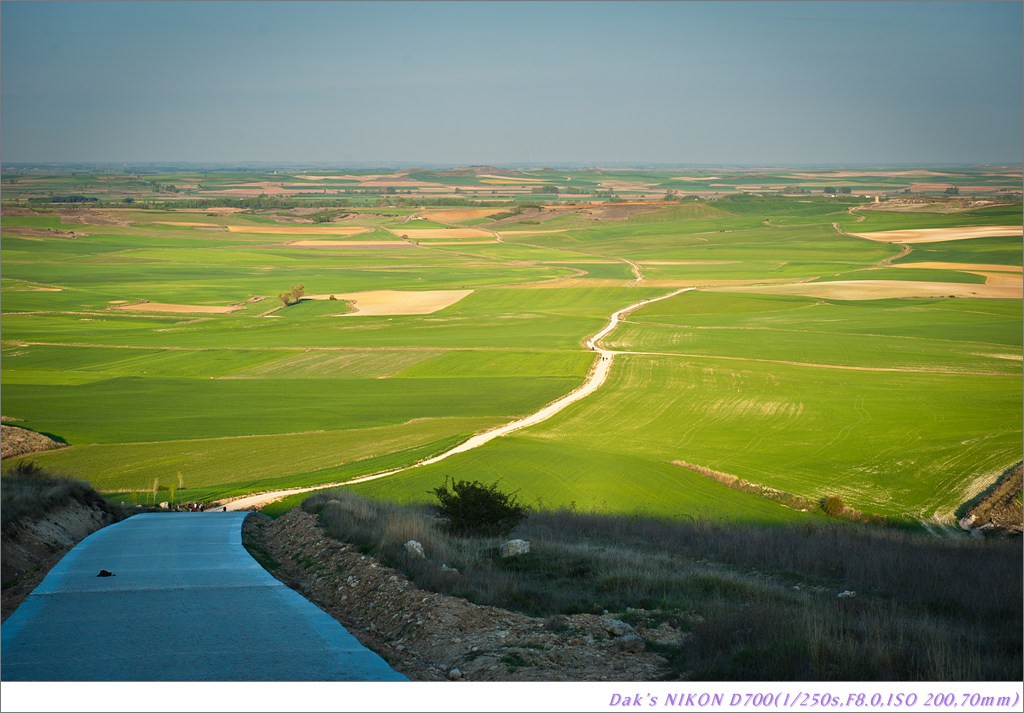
[[16, 442], [432, 637], [998, 510], [31, 547]]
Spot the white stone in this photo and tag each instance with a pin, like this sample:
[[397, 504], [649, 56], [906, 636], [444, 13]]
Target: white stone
[[514, 548], [414, 548]]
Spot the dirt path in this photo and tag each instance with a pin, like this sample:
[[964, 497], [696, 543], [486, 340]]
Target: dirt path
[[597, 376]]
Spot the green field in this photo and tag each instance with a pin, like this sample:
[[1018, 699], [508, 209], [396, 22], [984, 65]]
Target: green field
[[905, 407]]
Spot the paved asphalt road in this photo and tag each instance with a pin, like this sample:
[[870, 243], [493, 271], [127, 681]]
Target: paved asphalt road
[[186, 603]]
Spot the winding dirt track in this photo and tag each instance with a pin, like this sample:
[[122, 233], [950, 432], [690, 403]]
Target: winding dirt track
[[598, 375]]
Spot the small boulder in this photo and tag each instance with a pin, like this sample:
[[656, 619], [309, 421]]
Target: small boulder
[[514, 548], [105, 573], [455, 675], [617, 627], [414, 549], [631, 642], [846, 594]]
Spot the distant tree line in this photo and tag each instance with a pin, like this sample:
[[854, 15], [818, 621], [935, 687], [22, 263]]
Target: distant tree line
[[65, 199]]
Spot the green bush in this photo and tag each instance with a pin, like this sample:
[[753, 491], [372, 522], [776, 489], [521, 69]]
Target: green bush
[[477, 510]]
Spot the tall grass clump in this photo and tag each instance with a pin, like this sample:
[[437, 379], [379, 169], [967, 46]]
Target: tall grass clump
[[756, 602], [29, 492]]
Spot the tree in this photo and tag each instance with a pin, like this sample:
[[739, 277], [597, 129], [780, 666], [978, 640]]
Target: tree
[[952, 191], [297, 292], [476, 510]]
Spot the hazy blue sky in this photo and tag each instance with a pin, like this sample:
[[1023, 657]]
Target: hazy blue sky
[[497, 82]]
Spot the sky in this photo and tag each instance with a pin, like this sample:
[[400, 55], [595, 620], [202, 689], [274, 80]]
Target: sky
[[705, 83]]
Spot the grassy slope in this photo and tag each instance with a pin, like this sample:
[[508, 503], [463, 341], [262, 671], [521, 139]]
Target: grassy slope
[[515, 349]]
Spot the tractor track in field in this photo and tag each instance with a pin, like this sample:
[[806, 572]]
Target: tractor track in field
[[597, 376], [818, 365]]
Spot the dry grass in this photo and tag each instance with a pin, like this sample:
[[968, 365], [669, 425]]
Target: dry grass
[[761, 602], [29, 492], [997, 286]]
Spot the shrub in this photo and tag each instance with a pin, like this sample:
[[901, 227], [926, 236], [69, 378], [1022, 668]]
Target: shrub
[[477, 510], [29, 492], [833, 505]]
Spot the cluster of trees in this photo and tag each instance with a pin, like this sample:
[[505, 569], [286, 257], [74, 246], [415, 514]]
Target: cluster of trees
[[65, 199], [293, 295], [832, 191]]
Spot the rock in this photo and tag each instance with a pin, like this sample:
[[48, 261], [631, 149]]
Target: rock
[[449, 570], [631, 642], [455, 675], [514, 548], [665, 635], [617, 627], [846, 594], [413, 549], [105, 573]]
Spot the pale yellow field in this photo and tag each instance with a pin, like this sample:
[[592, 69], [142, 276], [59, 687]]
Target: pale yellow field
[[177, 309], [391, 302], [299, 229], [441, 233], [962, 266], [1007, 287], [460, 214], [352, 244], [939, 235], [186, 224]]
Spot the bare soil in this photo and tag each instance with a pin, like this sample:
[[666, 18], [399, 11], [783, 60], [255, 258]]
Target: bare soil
[[428, 636], [15, 441], [382, 302], [940, 235], [93, 217], [441, 233], [352, 244], [31, 549], [21, 232], [176, 309], [299, 229], [998, 510], [997, 286]]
